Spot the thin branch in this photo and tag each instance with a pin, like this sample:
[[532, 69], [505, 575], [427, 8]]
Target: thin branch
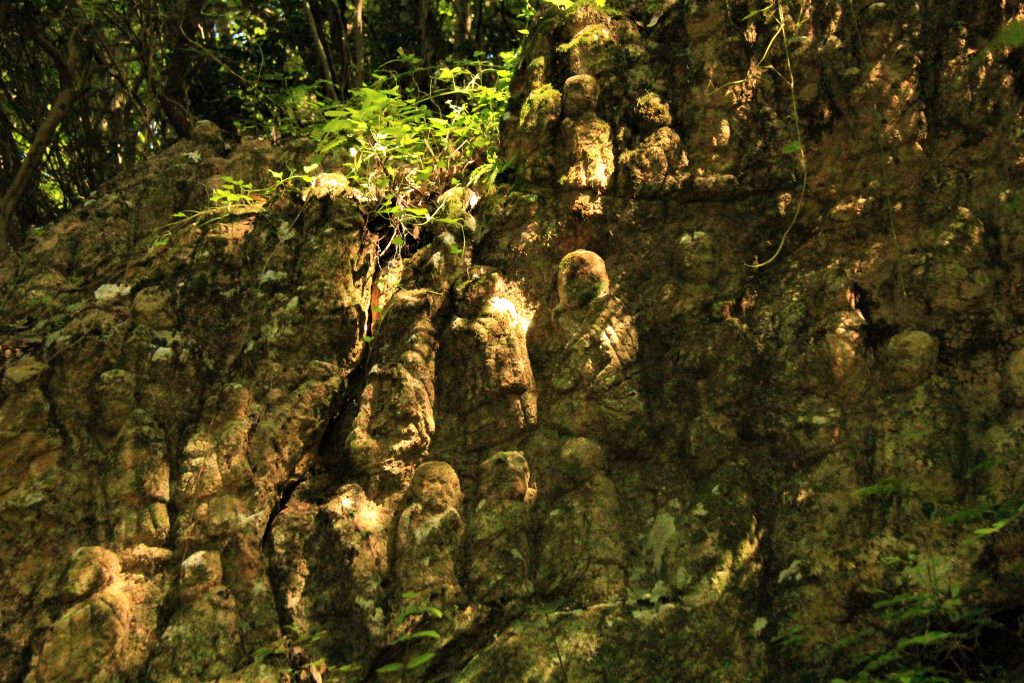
[[10, 236], [320, 52]]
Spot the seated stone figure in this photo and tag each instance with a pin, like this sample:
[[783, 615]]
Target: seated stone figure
[[202, 640], [586, 139], [656, 162], [395, 421], [596, 381], [90, 641], [427, 535], [581, 554], [496, 537], [486, 391]]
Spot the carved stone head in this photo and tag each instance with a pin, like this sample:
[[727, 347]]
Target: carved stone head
[[505, 476], [580, 94], [436, 487], [581, 278]]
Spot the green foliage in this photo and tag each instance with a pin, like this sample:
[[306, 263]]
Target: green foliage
[[236, 197], [572, 4], [400, 146], [1011, 35], [278, 652], [148, 70], [1003, 517], [413, 614], [928, 631], [922, 626]]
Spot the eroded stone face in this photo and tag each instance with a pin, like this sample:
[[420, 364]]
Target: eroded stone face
[[580, 95], [488, 394], [651, 112], [581, 278], [435, 486], [428, 533], [910, 358], [497, 540]]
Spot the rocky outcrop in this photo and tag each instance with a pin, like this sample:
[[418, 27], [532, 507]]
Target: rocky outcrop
[[697, 398]]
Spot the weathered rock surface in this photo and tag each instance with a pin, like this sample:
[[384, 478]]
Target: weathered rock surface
[[597, 441]]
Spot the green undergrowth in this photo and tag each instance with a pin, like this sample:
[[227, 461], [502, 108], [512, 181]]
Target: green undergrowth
[[400, 144], [394, 146], [922, 625]]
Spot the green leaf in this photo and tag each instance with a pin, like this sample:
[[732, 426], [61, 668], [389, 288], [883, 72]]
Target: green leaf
[[277, 174], [310, 168], [413, 610], [391, 668], [367, 338], [757, 12], [989, 530], [1011, 35], [925, 639], [420, 660], [418, 634], [791, 147]]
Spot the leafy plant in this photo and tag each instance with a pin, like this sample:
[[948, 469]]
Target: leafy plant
[[400, 146], [775, 13], [571, 4], [928, 629], [413, 615], [281, 648], [235, 197]]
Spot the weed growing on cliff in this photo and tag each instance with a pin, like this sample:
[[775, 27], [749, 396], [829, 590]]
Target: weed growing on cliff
[[235, 197], [292, 653], [400, 145], [922, 627], [572, 4], [930, 628], [395, 145], [413, 613], [776, 13]]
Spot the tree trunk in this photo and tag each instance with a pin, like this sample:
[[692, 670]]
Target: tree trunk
[[359, 37], [11, 234], [321, 53], [180, 32], [336, 19]]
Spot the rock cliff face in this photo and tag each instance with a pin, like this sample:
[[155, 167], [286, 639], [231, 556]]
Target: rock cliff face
[[597, 444]]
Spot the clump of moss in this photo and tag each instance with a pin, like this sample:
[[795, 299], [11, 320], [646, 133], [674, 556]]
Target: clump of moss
[[542, 105], [651, 113]]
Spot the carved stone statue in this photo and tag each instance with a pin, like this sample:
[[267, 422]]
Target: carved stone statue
[[496, 537]]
